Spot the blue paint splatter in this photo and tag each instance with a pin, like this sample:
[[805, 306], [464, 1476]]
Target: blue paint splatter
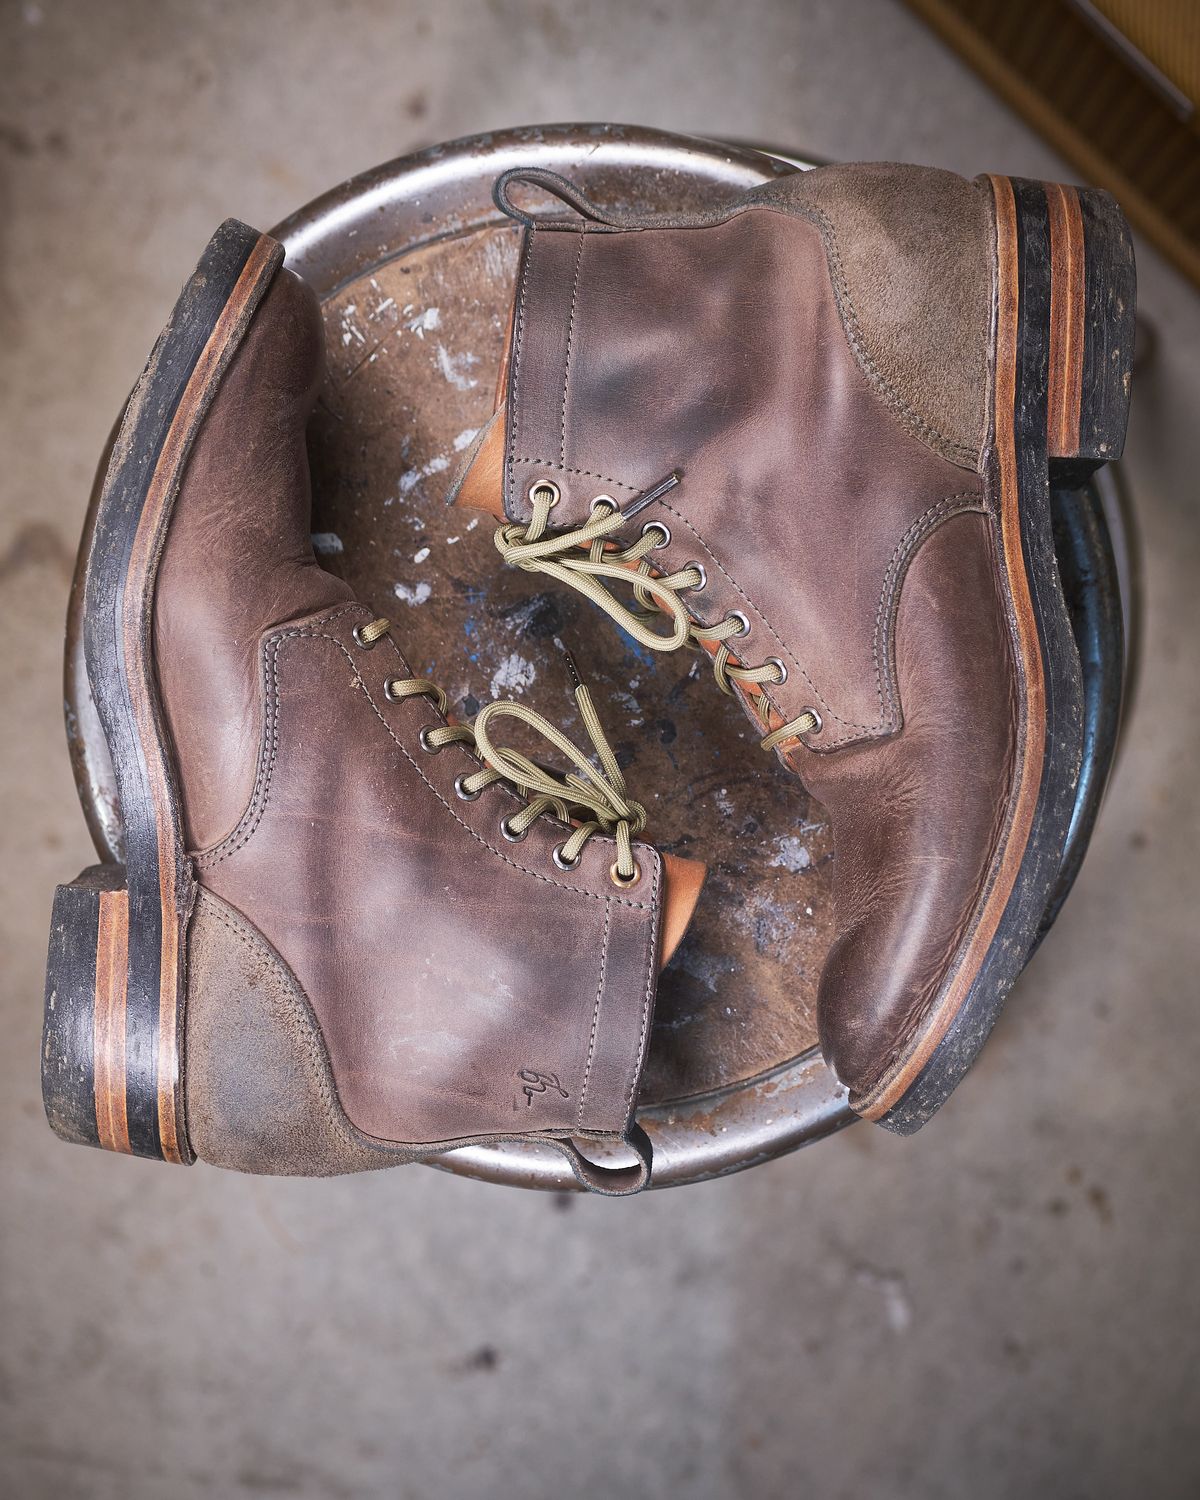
[[635, 649]]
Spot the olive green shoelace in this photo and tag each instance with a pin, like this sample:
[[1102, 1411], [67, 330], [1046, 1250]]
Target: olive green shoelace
[[598, 802], [559, 555]]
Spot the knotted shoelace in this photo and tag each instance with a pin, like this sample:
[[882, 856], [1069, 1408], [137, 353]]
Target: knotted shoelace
[[598, 802], [559, 555]]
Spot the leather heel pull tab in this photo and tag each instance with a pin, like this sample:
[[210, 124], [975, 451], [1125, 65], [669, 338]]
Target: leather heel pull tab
[[611, 1182], [557, 187]]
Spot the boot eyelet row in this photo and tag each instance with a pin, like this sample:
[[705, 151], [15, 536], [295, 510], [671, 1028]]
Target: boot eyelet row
[[462, 791], [622, 882]]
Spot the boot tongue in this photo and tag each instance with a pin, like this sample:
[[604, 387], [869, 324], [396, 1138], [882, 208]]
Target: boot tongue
[[478, 483], [682, 880]]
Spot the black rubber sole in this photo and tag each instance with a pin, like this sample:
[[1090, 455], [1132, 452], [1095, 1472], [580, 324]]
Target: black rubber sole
[[1064, 345], [1093, 589], [112, 1066]]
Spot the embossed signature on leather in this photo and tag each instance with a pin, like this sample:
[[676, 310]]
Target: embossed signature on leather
[[534, 1081]]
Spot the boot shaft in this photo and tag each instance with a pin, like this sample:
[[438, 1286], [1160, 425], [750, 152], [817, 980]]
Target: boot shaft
[[827, 415]]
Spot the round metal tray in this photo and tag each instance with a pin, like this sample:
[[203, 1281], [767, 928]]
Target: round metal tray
[[414, 268]]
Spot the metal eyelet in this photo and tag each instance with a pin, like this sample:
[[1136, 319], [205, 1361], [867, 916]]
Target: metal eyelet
[[663, 531], [773, 661], [703, 572], [541, 487], [423, 738], [606, 501], [619, 880], [737, 615], [819, 725], [564, 864], [506, 830], [461, 790], [359, 641], [388, 690]]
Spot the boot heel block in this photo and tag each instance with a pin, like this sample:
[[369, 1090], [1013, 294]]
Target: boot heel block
[[91, 1083], [1093, 295]]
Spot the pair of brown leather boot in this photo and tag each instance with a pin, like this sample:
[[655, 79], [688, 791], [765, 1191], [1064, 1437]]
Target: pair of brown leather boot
[[810, 433]]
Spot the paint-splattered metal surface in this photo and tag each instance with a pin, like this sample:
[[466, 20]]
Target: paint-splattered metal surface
[[414, 268], [414, 347]]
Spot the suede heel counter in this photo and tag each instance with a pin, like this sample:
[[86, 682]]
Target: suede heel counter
[[910, 251], [259, 1089]]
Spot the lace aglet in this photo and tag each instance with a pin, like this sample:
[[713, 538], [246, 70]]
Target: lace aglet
[[655, 492], [572, 669]]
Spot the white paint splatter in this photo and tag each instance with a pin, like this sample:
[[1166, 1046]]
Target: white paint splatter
[[790, 854], [420, 555], [453, 366], [327, 542], [465, 439], [412, 477], [413, 596], [450, 540], [498, 257], [350, 329], [471, 525], [632, 707], [424, 322], [513, 675], [724, 802]]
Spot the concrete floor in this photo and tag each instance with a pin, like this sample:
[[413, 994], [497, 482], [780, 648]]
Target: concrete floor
[[1006, 1305]]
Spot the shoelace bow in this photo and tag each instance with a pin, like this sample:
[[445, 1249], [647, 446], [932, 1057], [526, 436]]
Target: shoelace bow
[[557, 555], [601, 801]]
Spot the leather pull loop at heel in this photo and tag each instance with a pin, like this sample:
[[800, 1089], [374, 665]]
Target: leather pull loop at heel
[[557, 187], [611, 1182]]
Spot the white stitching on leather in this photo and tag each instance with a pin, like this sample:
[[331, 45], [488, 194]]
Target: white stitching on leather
[[587, 1070], [893, 577], [567, 364]]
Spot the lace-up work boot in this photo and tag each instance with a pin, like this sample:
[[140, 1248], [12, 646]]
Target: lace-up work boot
[[341, 939], [816, 426]]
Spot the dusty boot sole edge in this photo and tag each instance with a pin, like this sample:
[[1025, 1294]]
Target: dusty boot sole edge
[[115, 980], [1063, 346]]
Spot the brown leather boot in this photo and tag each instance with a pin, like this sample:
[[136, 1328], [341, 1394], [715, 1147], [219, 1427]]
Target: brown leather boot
[[816, 425], [340, 940]]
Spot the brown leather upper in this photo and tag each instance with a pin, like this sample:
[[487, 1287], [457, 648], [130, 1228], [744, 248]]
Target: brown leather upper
[[239, 557], [793, 471], [464, 986], [824, 506]]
